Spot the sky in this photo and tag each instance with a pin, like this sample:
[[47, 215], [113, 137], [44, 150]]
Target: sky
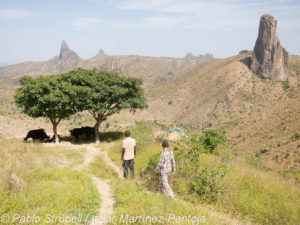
[[32, 30]]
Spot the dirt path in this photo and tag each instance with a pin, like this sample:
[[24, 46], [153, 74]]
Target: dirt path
[[107, 198], [103, 186]]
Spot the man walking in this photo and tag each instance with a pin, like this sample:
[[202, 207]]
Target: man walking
[[128, 154], [165, 165]]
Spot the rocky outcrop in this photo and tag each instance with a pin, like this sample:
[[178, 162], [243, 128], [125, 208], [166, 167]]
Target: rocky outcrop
[[190, 56], [101, 54], [67, 56], [269, 59], [245, 52], [206, 56]]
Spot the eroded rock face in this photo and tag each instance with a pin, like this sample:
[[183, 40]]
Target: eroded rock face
[[68, 56], [269, 58]]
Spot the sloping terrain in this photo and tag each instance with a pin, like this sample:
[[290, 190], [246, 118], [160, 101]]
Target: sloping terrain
[[260, 116]]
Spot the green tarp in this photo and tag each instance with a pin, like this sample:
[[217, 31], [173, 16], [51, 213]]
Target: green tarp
[[175, 130]]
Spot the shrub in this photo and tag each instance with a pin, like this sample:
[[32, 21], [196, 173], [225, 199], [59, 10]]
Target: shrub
[[296, 136], [208, 183], [150, 178], [205, 182], [285, 85], [142, 134], [212, 138], [207, 142]]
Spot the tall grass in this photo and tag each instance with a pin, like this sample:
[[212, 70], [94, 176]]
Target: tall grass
[[100, 169], [133, 200], [48, 190], [264, 196]]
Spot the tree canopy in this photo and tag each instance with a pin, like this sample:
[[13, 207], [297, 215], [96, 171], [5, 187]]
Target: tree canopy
[[47, 96], [107, 93], [59, 96]]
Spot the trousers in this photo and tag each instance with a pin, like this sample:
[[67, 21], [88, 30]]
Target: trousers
[[165, 184], [128, 164]]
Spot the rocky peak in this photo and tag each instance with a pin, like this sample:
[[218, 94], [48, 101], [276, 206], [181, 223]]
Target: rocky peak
[[66, 55], [101, 53], [206, 56], [269, 59], [190, 56]]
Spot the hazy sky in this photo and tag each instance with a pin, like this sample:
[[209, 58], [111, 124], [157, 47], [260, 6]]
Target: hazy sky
[[32, 30]]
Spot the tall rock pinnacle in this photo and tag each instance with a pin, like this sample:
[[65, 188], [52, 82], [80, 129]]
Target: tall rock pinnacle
[[68, 56], [269, 59]]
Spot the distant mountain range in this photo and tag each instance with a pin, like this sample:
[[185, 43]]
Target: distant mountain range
[[3, 64], [151, 69], [198, 93]]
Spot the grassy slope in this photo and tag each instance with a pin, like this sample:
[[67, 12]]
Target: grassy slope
[[134, 200], [49, 188], [257, 195]]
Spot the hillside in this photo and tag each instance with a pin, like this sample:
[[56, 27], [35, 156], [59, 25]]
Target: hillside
[[191, 93], [259, 115]]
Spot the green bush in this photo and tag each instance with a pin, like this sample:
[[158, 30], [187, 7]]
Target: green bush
[[142, 134], [285, 85], [151, 179], [296, 135], [205, 180], [208, 183], [207, 142]]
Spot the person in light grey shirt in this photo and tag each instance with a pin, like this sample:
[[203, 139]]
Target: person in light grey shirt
[[165, 165]]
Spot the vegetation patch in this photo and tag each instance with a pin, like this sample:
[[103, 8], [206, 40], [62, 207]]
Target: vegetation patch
[[285, 85], [263, 196], [143, 134], [45, 189], [136, 202], [100, 169]]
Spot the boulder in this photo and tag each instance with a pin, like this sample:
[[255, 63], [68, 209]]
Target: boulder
[[174, 137]]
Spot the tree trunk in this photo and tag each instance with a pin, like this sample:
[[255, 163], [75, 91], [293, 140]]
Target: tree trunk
[[96, 130], [55, 125], [55, 132]]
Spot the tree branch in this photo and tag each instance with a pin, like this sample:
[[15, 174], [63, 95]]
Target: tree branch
[[93, 114], [52, 121]]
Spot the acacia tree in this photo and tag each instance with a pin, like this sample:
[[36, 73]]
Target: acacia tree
[[107, 93], [47, 96]]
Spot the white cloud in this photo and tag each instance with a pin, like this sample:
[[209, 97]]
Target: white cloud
[[210, 14], [15, 14], [86, 23], [166, 21], [144, 4]]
